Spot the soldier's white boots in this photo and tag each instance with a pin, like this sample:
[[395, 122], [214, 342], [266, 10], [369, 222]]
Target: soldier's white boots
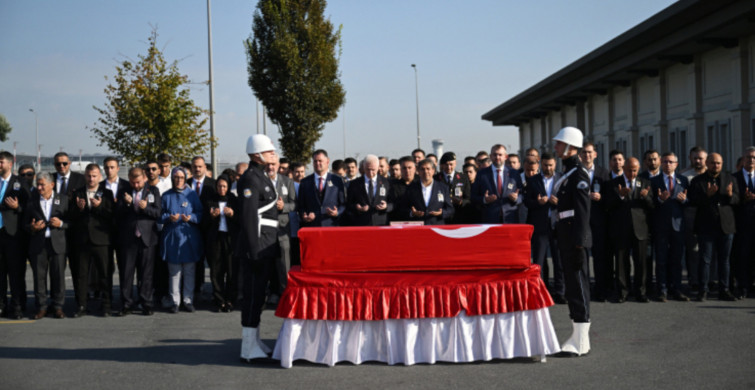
[[579, 342], [267, 350], [250, 344]]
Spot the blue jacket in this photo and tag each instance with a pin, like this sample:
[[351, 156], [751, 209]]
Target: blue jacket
[[181, 241], [502, 210], [308, 200]]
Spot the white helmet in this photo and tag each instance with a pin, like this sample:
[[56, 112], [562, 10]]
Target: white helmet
[[570, 135], [259, 143]]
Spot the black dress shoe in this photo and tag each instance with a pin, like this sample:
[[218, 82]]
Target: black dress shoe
[[59, 314], [174, 309], [643, 299], [81, 312], [702, 296], [189, 308], [662, 298], [725, 295], [148, 311], [680, 297], [124, 312], [621, 299], [15, 314]]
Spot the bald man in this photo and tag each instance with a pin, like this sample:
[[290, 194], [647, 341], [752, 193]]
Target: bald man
[[629, 202]]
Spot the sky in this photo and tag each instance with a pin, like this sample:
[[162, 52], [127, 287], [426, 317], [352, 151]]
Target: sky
[[470, 55]]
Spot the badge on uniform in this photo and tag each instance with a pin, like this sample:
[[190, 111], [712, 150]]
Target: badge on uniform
[[247, 193], [510, 186], [150, 198], [267, 189], [184, 204], [98, 194], [638, 184], [330, 183], [284, 191], [16, 186], [56, 202], [583, 185], [457, 191], [440, 197], [382, 191]]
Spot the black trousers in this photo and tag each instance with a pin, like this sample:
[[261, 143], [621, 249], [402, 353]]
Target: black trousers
[[540, 243], [42, 260], [577, 283], [602, 262], [13, 270], [98, 257], [135, 256], [160, 278], [637, 249], [220, 257], [256, 275]]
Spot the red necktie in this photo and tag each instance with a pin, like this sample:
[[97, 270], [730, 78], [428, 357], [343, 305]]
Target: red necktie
[[670, 184], [500, 182], [320, 185], [197, 187]]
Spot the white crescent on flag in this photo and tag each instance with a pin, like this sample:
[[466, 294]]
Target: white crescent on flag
[[464, 232]]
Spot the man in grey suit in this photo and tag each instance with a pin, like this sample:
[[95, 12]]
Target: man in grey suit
[[286, 203]]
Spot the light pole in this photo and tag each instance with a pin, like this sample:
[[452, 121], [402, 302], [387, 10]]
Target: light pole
[[416, 90], [213, 157], [36, 132]]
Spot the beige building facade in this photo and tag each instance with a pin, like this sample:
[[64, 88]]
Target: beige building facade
[[682, 78]]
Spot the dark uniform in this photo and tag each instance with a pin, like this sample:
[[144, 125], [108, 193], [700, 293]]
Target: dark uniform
[[573, 234], [257, 241]]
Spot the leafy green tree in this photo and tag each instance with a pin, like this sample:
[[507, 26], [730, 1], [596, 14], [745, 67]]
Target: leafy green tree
[[293, 70], [149, 111], [5, 128]]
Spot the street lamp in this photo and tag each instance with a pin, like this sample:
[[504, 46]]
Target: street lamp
[[213, 156], [36, 132], [416, 90]]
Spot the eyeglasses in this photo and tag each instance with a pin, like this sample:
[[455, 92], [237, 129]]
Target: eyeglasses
[[61, 164], [27, 174]]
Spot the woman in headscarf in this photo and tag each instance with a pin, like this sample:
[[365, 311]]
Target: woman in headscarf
[[182, 242], [221, 228]]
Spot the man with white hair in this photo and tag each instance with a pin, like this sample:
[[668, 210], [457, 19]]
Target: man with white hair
[[257, 242], [367, 197]]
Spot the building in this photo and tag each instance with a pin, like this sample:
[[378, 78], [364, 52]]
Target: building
[[683, 77]]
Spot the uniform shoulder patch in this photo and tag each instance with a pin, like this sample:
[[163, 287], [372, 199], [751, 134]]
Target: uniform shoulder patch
[[582, 185], [247, 193]]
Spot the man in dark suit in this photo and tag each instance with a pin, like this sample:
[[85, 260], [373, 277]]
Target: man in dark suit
[[285, 204], [652, 161], [428, 199], [65, 180], [602, 259], [670, 197], [92, 222], [136, 215], [204, 186], [629, 202], [496, 190], [322, 199], [398, 189], [714, 193], [541, 204], [367, 197], [46, 218], [458, 187], [745, 213], [13, 198]]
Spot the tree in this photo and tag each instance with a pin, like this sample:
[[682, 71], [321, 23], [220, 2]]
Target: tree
[[5, 128], [149, 111], [293, 70]]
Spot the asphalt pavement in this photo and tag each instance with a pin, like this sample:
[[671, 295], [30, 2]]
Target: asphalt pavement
[[673, 345]]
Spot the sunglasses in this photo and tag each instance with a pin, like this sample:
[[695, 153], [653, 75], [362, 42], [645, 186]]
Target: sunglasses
[[27, 174], [153, 169], [61, 164]]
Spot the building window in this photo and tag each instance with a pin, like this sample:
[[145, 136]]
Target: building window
[[719, 141], [678, 144]]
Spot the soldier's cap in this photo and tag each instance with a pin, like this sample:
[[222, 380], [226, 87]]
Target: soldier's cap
[[447, 156]]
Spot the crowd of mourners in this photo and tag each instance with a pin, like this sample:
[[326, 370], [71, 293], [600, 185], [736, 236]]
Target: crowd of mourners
[[171, 222]]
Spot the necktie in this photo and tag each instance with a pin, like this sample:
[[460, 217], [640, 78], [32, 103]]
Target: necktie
[[500, 182], [370, 191], [670, 184], [138, 197], [751, 185], [63, 186], [198, 187], [2, 194], [448, 177], [319, 186]]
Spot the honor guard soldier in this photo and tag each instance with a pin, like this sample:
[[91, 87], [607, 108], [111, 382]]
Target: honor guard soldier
[[257, 242], [572, 222]]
